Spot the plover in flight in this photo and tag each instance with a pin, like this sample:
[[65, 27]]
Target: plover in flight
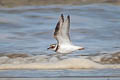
[[61, 34]]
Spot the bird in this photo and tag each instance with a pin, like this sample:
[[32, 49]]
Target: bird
[[61, 34]]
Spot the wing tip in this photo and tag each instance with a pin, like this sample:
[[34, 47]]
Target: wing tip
[[62, 17], [68, 16]]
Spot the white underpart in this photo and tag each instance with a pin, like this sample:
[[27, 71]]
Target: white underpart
[[67, 48]]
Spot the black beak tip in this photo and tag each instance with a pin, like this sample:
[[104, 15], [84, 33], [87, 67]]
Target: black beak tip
[[48, 48]]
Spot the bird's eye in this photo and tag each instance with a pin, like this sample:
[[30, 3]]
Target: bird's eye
[[52, 46]]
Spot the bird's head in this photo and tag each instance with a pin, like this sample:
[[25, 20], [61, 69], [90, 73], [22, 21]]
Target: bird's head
[[52, 47]]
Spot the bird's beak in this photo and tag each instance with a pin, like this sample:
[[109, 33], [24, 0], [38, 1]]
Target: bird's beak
[[82, 48], [48, 48]]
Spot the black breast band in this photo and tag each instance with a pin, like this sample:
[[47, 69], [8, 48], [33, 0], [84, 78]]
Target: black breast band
[[57, 48]]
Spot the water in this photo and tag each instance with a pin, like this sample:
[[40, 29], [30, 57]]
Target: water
[[28, 31]]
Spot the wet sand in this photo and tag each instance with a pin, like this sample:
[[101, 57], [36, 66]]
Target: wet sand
[[60, 78], [13, 3]]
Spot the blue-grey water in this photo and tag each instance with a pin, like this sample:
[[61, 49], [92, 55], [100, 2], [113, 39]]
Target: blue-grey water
[[29, 30]]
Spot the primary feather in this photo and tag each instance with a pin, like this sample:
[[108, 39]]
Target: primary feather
[[61, 33]]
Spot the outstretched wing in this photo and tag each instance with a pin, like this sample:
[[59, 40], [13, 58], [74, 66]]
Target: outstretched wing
[[61, 33]]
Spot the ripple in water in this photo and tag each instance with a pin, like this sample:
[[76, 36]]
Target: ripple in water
[[30, 30]]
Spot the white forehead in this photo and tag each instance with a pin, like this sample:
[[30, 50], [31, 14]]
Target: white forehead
[[53, 45]]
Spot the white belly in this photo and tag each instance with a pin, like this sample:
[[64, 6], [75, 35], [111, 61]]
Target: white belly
[[67, 49]]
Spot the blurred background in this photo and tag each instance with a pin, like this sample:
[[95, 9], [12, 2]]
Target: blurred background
[[26, 31], [14, 3], [26, 26]]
